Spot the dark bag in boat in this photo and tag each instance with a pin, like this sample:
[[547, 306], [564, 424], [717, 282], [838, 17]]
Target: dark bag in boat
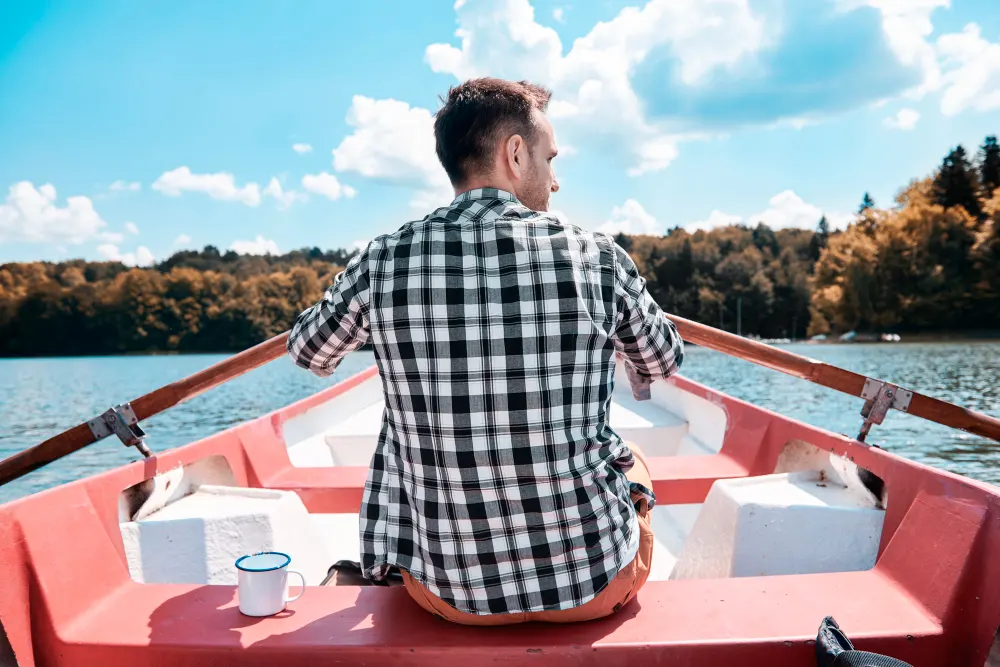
[[348, 573], [834, 649]]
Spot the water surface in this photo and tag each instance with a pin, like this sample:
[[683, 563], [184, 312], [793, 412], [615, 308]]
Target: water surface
[[41, 397]]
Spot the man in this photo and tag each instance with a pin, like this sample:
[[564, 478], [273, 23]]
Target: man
[[497, 486]]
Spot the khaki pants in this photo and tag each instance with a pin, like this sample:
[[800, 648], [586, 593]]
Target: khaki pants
[[615, 595]]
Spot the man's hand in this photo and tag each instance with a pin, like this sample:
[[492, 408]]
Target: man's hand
[[640, 385]]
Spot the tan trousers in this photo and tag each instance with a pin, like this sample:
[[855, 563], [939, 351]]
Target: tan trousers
[[615, 595]]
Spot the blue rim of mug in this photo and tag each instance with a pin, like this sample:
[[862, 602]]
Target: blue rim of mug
[[288, 559]]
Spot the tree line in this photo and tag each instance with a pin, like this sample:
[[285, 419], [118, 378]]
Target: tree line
[[929, 262], [195, 301]]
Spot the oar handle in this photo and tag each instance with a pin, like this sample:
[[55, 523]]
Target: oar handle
[[145, 407]]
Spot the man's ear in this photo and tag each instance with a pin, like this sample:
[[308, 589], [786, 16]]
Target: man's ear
[[515, 154]]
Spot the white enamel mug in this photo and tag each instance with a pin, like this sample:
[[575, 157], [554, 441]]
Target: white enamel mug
[[263, 583]]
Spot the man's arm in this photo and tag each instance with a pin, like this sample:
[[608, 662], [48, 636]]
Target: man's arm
[[646, 340], [324, 334]]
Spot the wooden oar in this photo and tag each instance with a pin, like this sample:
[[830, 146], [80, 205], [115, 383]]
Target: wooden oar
[[793, 364], [145, 407], [824, 374]]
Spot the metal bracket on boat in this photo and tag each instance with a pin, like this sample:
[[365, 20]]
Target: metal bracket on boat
[[121, 421], [879, 397]]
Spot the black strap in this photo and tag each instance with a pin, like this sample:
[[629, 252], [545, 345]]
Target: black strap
[[834, 649], [866, 659]]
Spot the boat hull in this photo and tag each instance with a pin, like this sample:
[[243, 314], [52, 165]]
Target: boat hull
[[67, 598]]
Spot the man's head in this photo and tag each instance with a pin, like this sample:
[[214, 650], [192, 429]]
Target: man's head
[[494, 133]]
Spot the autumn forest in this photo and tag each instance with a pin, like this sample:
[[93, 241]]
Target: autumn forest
[[927, 262]]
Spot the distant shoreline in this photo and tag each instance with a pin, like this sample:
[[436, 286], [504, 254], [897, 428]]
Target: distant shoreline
[[946, 337], [929, 337]]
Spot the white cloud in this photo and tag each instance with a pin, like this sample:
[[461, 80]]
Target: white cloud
[[393, 142], [327, 185], [786, 210], [713, 53], [118, 186], [182, 239], [432, 199], [905, 119], [30, 214], [654, 154], [907, 26], [702, 35], [592, 85], [302, 149], [131, 228], [284, 197], [964, 66], [715, 219], [111, 237], [971, 71], [217, 186], [141, 257], [631, 218], [259, 246]]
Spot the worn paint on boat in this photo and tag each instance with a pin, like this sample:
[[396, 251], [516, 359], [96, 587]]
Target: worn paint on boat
[[78, 559]]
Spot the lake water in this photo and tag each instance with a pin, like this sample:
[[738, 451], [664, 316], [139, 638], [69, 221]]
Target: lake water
[[42, 397]]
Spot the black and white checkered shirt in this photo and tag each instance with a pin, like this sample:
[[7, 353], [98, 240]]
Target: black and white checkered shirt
[[497, 480]]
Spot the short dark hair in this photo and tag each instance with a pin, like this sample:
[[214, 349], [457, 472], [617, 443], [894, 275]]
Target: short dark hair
[[468, 125]]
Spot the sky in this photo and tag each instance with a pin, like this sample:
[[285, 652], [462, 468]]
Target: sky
[[130, 130]]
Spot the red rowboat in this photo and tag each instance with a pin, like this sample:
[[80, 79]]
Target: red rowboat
[[765, 526]]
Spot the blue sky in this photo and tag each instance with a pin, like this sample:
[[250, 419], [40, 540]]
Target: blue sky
[[131, 129]]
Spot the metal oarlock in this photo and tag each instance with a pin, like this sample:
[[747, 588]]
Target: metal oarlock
[[879, 398], [121, 421]]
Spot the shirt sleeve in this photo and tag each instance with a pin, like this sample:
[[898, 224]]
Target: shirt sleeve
[[327, 331], [647, 342]]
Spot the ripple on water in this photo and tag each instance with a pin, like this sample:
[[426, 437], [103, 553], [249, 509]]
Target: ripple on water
[[41, 397]]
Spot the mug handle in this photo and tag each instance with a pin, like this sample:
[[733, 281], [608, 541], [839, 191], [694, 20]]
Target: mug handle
[[303, 580]]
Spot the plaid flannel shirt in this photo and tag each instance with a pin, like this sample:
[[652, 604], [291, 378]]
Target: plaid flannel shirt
[[497, 481]]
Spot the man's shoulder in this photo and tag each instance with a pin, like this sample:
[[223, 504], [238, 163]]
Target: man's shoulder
[[406, 231], [403, 232], [445, 217], [556, 221]]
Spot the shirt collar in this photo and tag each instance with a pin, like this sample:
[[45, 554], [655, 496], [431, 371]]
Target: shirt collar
[[485, 193]]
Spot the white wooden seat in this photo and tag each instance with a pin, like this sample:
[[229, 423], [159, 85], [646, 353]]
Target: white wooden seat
[[789, 523], [198, 538]]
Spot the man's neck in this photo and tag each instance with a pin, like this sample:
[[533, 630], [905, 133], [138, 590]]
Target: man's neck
[[480, 183]]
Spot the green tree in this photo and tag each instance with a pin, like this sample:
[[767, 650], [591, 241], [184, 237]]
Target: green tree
[[624, 241], [989, 167], [866, 203], [819, 239], [765, 240], [957, 184], [986, 256]]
